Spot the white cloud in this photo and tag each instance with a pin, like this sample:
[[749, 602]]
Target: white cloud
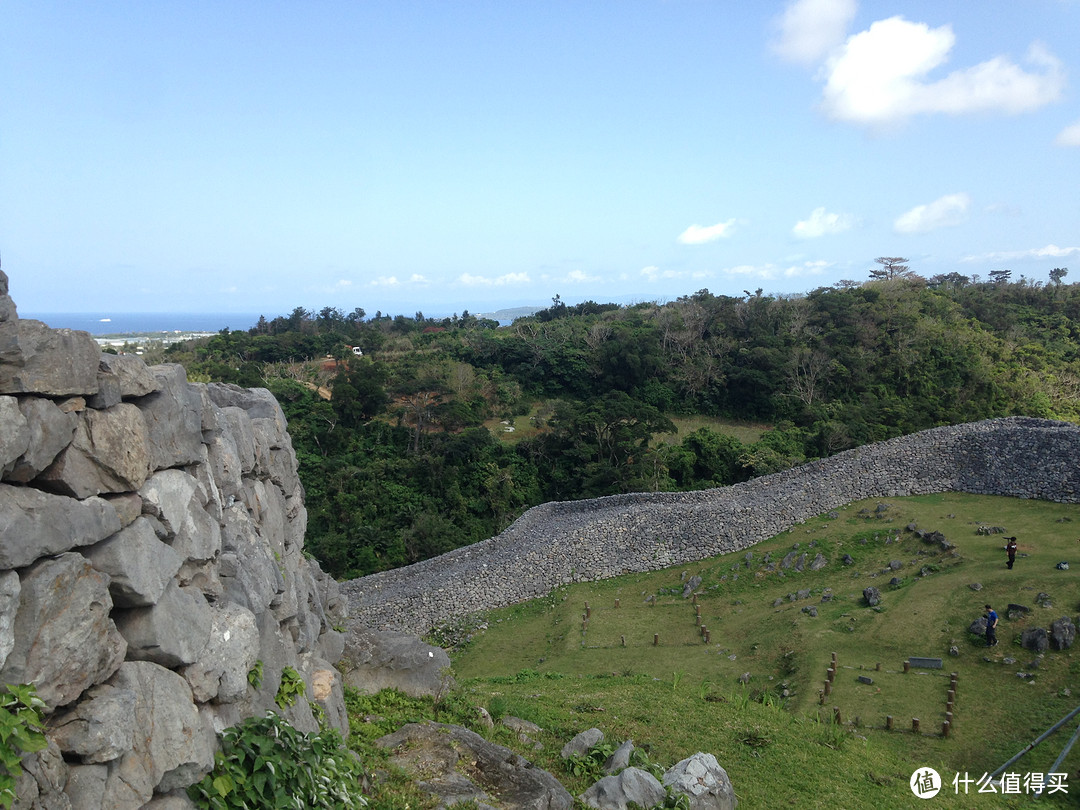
[[881, 76], [770, 271], [384, 281], [470, 280], [342, 283], [1070, 136], [809, 29], [943, 212], [700, 234], [580, 277], [419, 280], [1048, 252], [821, 223]]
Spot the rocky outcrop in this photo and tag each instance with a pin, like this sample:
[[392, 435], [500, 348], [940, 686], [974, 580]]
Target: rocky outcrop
[[150, 555], [559, 543]]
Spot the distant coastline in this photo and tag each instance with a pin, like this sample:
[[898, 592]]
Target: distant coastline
[[141, 323]]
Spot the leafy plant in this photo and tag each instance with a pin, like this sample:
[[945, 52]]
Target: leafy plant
[[21, 732], [255, 675], [677, 677], [591, 763], [292, 686], [266, 763]]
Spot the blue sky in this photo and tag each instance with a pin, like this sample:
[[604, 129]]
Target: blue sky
[[440, 156]]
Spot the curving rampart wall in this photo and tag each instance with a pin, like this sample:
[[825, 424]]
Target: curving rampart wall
[[559, 543]]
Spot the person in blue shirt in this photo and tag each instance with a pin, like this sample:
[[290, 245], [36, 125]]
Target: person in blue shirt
[[991, 627]]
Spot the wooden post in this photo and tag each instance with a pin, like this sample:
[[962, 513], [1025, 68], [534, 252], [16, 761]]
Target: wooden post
[[828, 687], [707, 636], [834, 658], [622, 640], [656, 640], [907, 666], [949, 718], [878, 667], [945, 729], [888, 722], [616, 604], [836, 715], [915, 724], [588, 610], [830, 673], [951, 697], [821, 698]]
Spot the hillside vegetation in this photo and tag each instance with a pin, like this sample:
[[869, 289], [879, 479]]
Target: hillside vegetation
[[412, 454]]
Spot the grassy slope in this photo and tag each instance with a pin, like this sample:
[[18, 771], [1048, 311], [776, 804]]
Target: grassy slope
[[683, 695]]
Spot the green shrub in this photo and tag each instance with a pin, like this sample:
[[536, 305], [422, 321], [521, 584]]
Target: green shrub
[[266, 763], [292, 686], [21, 732]]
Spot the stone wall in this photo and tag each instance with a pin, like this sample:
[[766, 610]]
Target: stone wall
[[150, 554], [559, 543]]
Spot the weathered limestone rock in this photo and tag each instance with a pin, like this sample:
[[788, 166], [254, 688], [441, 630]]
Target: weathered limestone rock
[[35, 524], [9, 604], [100, 728], [85, 786], [139, 565], [173, 416], [631, 786], [249, 574], [620, 758], [63, 646], [220, 673], [35, 359], [8, 311], [458, 765], [108, 453], [172, 632], [703, 781], [327, 689], [128, 506], [1062, 633], [14, 433], [41, 785], [1035, 639], [872, 596], [173, 747], [131, 372], [383, 659], [239, 428], [177, 500], [50, 431], [581, 743]]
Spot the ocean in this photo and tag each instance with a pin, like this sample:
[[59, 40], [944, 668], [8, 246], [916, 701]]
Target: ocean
[[123, 323]]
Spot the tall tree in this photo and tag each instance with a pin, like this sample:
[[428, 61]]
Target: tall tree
[[890, 267]]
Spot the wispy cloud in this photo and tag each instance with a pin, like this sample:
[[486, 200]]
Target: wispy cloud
[[419, 280], [883, 76], [700, 234], [580, 277], [770, 271], [654, 273], [384, 281], [1070, 136], [943, 212], [1048, 252], [470, 280], [809, 29], [820, 223]]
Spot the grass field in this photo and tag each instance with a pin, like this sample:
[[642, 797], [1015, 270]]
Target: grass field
[[775, 734]]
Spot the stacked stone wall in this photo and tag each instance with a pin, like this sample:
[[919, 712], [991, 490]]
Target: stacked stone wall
[[559, 543], [150, 556]]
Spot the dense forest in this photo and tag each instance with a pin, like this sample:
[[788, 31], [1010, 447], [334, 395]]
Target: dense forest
[[406, 452]]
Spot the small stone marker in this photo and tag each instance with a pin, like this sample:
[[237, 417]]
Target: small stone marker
[[925, 663], [865, 679]]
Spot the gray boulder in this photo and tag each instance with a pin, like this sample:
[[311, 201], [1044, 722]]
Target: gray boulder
[[620, 758], [631, 786], [220, 673], [581, 743], [10, 588], [1062, 633], [173, 416], [100, 728], [132, 374], [50, 431], [703, 781], [172, 632], [42, 783], [872, 596], [458, 765], [14, 433], [382, 659], [35, 524], [173, 747], [35, 359], [108, 453], [1035, 639], [818, 562], [64, 646], [138, 564]]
